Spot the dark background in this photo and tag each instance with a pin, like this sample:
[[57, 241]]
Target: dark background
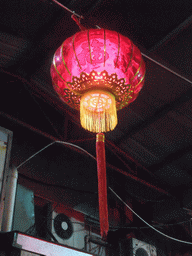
[[152, 142]]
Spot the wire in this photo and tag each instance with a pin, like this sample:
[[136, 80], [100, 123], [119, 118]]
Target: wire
[[168, 69], [74, 13], [175, 239], [73, 145], [109, 165], [60, 142], [64, 7]]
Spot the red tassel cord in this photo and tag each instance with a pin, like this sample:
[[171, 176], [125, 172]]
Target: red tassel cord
[[102, 185], [77, 21]]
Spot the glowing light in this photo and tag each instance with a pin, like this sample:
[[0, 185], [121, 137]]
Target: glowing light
[[97, 101], [98, 59], [98, 111]]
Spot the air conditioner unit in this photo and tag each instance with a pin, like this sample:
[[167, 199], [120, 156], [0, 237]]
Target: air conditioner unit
[[140, 248], [68, 231], [71, 232]]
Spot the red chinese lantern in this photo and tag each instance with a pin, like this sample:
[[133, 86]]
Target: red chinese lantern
[[98, 72]]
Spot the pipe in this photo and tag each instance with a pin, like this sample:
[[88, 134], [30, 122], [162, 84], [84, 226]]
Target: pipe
[[86, 241], [10, 195], [95, 240]]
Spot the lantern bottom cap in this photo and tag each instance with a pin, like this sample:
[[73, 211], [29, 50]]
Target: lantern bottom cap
[[98, 111]]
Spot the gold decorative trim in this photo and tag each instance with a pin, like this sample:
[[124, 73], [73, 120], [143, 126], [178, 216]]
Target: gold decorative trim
[[111, 83], [75, 52], [118, 49], [58, 71], [100, 137], [64, 60], [130, 57], [137, 70], [108, 83], [104, 47], [140, 80], [68, 97], [89, 45]]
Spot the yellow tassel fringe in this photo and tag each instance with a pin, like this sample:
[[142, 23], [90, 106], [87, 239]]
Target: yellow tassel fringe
[[98, 111]]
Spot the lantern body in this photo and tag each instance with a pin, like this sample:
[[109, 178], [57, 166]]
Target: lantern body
[[98, 59]]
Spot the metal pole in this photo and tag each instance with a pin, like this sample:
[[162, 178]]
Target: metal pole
[[10, 195]]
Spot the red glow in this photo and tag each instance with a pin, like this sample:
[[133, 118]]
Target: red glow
[[97, 50]]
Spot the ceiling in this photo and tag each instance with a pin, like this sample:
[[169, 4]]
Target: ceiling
[[148, 155]]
